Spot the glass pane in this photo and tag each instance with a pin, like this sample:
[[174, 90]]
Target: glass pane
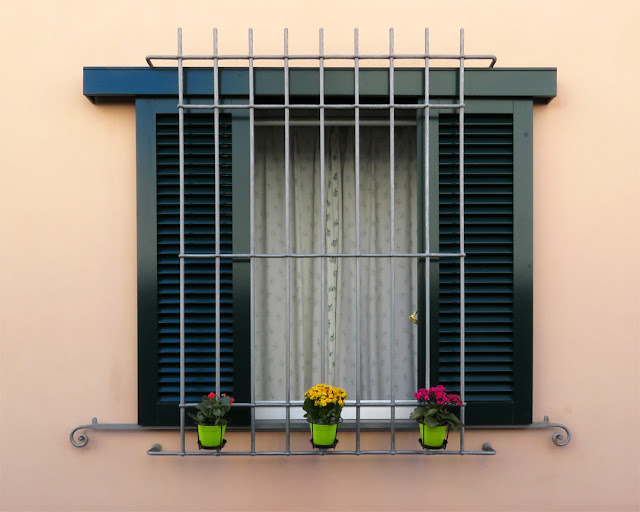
[[307, 315]]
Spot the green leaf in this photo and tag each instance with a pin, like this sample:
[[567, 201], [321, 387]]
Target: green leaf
[[418, 413], [431, 421]]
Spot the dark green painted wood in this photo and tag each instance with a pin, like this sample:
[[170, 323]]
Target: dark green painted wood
[[167, 412], [147, 262], [241, 269], [523, 261], [427, 312], [434, 219], [422, 204], [536, 83], [200, 305], [512, 406], [157, 181]]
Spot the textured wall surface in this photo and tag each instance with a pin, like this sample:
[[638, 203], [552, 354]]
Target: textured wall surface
[[68, 262]]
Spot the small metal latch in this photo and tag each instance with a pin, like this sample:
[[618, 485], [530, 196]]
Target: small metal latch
[[414, 318]]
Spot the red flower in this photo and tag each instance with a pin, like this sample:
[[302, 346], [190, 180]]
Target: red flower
[[212, 395], [232, 400]]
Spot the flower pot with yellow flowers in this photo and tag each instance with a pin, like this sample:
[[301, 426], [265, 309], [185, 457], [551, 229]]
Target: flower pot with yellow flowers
[[210, 420], [323, 407]]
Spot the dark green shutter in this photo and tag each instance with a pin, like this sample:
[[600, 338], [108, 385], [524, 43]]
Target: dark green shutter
[[161, 368], [200, 306], [494, 389]]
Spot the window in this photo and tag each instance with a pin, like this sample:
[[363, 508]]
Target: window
[[333, 315], [498, 228]]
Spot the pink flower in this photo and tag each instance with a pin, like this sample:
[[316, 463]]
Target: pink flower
[[437, 396]]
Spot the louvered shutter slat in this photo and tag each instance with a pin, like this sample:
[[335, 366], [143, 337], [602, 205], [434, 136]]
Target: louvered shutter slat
[[489, 262], [200, 306]]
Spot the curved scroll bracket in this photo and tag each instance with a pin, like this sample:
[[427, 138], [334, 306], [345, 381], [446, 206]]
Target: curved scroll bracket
[[83, 439], [559, 439]]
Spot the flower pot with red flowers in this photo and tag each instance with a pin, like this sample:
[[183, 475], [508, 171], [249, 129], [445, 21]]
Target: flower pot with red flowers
[[434, 416], [323, 407], [210, 420]]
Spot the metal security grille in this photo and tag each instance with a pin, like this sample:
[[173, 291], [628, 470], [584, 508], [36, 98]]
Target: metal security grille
[[219, 255]]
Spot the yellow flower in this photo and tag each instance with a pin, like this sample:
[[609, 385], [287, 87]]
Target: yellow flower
[[324, 395]]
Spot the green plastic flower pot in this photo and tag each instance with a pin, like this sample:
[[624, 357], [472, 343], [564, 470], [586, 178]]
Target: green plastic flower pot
[[323, 435], [433, 437], [211, 436]]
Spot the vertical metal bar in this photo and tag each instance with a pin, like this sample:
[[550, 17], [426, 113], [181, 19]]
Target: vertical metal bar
[[287, 224], [252, 236], [392, 261], [182, 262], [356, 67], [216, 137], [462, 259], [323, 220], [427, 231]]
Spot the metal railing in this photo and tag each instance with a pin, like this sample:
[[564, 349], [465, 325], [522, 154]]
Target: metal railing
[[253, 255]]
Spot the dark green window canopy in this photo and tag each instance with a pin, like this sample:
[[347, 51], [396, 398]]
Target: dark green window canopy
[[125, 83]]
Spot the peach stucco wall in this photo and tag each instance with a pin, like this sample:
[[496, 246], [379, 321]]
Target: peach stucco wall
[[68, 262]]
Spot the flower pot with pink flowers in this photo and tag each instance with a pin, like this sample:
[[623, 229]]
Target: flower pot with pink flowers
[[434, 416], [211, 421]]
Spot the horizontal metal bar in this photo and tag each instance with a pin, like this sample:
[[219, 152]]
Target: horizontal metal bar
[[276, 425], [558, 438], [326, 255], [337, 122], [328, 106], [83, 439], [350, 56], [156, 449], [298, 403]]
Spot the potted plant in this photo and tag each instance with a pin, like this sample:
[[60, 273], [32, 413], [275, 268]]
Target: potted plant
[[434, 417], [323, 407], [210, 419]]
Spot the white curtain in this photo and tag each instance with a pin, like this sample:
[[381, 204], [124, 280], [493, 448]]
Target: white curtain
[[339, 315]]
